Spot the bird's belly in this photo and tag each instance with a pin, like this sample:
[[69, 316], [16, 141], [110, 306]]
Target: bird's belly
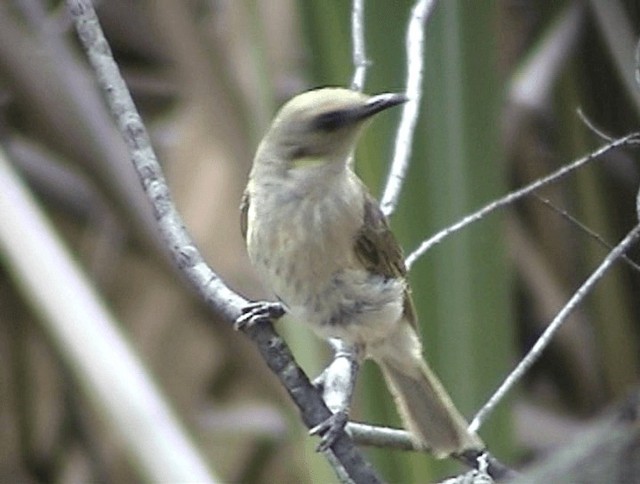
[[355, 306], [350, 304], [306, 257]]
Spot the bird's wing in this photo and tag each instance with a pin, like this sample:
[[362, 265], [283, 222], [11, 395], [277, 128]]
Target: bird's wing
[[378, 251], [244, 212]]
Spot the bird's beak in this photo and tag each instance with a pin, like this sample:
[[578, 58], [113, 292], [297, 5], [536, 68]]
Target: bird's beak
[[358, 112], [380, 102]]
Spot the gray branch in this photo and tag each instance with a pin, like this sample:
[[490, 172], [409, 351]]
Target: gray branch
[[630, 139], [346, 459], [543, 341], [360, 61]]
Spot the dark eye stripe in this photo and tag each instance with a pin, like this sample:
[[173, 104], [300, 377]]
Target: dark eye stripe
[[300, 152], [332, 120]]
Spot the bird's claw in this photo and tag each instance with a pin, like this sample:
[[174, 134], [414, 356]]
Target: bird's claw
[[259, 312], [330, 429]]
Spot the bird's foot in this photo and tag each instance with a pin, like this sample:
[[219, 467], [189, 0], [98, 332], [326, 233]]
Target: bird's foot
[[330, 429], [259, 312]]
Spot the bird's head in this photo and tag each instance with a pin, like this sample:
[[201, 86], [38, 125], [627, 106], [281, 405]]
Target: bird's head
[[320, 128]]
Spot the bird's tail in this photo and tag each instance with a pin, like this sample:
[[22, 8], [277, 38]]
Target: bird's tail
[[423, 403]]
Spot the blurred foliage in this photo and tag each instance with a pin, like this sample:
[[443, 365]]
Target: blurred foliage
[[208, 76]]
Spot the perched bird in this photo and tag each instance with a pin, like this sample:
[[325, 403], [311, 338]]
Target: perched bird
[[321, 243]]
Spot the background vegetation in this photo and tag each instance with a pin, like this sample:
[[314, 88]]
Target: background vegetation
[[503, 80]]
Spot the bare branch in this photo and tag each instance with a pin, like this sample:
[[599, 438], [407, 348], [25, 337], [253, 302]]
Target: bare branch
[[70, 103], [345, 458], [536, 351], [388, 437], [420, 14], [360, 61], [589, 124], [630, 139], [586, 229]]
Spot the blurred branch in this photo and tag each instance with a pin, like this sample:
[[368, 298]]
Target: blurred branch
[[420, 15], [607, 452], [345, 458], [89, 338], [62, 98], [620, 40], [536, 351], [57, 181], [628, 140], [531, 85]]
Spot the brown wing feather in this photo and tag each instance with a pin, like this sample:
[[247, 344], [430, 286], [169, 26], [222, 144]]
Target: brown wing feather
[[377, 249], [244, 211]]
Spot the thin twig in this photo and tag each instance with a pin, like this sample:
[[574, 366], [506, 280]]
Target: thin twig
[[540, 345], [345, 458], [420, 14], [589, 124], [585, 229], [637, 69], [387, 437], [629, 139], [360, 61]]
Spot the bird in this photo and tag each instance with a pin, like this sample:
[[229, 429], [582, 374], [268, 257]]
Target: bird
[[321, 243]]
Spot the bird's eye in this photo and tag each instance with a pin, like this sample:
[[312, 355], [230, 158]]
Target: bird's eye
[[298, 152], [331, 120]]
